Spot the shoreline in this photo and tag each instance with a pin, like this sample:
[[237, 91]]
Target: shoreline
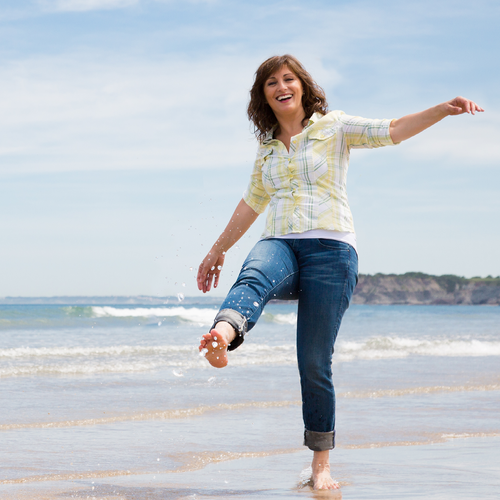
[[460, 466]]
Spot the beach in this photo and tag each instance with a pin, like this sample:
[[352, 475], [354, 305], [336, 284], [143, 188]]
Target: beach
[[115, 402]]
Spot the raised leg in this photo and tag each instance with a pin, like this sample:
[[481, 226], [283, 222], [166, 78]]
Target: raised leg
[[269, 272]]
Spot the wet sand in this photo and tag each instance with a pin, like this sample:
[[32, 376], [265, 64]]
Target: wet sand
[[457, 468]]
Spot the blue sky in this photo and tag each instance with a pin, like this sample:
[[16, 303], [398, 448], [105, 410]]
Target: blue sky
[[124, 143]]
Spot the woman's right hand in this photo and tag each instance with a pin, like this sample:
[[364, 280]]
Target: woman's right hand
[[211, 267], [210, 270]]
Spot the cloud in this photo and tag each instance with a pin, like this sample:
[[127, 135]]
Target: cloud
[[73, 113], [138, 107], [84, 5], [460, 140]]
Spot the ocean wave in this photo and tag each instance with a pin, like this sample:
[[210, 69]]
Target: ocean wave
[[191, 314], [400, 347], [281, 319], [89, 368], [42, 361], [72, 352], [27, 361]]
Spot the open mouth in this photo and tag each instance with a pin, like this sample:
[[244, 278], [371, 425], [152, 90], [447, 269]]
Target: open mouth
[[284, 98]]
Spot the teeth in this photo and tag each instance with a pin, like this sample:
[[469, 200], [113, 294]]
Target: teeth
[[281, 97]]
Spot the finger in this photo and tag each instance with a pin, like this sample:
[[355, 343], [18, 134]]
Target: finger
[[477, 108], [216, 281], [208, 282], [200, 276]]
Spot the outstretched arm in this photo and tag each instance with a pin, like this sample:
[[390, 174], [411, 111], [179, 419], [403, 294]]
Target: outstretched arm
[[210, 269], [410, 125]]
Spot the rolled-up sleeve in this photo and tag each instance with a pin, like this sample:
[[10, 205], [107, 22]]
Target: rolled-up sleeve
[[366, 133], [255, 195]]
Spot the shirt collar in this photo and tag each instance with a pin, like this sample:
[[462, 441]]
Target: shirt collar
[[269, 136]]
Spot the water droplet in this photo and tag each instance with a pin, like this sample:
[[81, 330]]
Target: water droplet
[[236, 247], [157, 459], [219, 267], [212, 268], [178, 372], [223, 253], [256, 304], [159, 323], [214, 344], [203, 352], [180, 297], [190, 268], [211, 380], [215, 337], [184, 284]]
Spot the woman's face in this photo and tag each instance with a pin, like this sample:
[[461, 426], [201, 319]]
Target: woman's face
[[283, 92]]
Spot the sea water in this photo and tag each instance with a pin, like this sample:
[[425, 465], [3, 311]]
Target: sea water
[[114, 401]]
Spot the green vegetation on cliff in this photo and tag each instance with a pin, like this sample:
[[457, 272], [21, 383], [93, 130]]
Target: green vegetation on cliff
[[448, 282]]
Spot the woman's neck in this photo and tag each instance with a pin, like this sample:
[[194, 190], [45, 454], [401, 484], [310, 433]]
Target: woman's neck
[[288, 127]]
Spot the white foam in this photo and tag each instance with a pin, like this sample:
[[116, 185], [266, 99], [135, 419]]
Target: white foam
[[400, 347], [285, 319], [76, 369], [200, 316], [72, 352], [193, 314]]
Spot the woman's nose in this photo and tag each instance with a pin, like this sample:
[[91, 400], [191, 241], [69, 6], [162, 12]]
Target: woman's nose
[[281, 84]]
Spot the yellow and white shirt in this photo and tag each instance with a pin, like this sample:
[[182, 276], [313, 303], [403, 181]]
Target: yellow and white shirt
[[306, 187]]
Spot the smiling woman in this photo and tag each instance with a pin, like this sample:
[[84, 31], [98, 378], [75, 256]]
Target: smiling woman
[[308, 249], [276, 74]]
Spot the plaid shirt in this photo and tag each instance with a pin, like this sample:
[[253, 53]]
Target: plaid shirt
[[306, 187]]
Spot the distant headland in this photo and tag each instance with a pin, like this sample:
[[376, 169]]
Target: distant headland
[[382, 289], [421, 288]]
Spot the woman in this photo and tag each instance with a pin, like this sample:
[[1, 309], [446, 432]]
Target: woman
[[308, 249]]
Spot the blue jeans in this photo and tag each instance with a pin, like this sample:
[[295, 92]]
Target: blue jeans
[[321, 274]]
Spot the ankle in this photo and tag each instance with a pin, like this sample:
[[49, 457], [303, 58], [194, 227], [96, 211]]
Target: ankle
[[321, 461], [226, 330]]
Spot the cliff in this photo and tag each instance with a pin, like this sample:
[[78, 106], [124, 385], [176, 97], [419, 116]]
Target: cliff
[[420, 288]]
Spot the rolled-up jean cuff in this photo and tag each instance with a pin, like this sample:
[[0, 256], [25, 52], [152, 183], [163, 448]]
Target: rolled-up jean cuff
[[319, 441], [237, 321]]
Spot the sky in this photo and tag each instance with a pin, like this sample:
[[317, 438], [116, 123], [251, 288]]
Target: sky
[[125, 146]]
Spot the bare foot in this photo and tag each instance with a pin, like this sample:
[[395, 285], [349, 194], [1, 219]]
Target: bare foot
[[321, 478], [216, 343]]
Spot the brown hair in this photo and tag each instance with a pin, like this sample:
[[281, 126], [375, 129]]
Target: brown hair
[[261, 114]]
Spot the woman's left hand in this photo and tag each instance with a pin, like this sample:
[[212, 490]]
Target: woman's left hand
[[410, 125], [461, 105]]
